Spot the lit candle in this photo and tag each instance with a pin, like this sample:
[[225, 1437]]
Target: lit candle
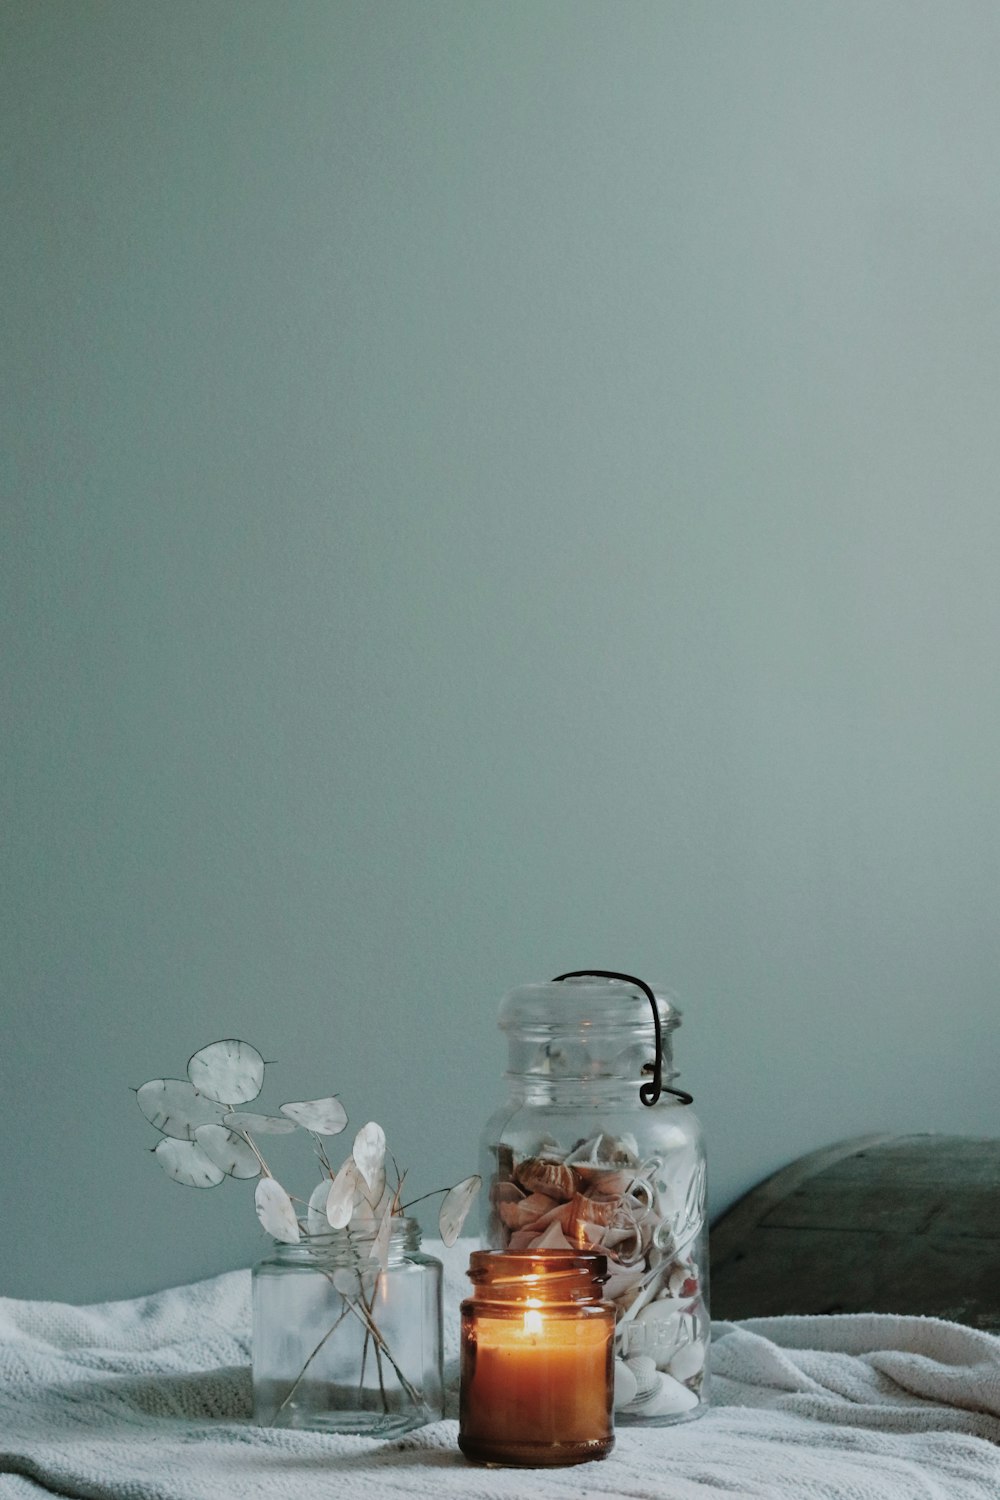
[[537, 1359]]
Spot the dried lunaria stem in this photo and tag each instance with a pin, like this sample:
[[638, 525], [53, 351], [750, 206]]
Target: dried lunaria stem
[[208, 1136]]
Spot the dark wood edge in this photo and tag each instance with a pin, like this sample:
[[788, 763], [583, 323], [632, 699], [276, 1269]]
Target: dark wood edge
[[729, 1233]]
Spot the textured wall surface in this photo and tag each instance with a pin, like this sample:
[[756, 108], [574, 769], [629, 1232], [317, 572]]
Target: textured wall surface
[[490, 489]]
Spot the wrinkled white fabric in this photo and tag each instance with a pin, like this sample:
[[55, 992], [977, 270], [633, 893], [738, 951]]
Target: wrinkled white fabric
[[150, 1400]]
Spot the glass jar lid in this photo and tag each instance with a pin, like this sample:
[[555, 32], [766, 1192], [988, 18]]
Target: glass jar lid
[[595, 1025], [587, 1002]]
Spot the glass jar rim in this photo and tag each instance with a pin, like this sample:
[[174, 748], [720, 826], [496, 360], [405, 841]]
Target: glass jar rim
[[588, 1003], [405, 1234], [550, 1276]]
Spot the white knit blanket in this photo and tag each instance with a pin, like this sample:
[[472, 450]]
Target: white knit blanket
[[150, 1400]]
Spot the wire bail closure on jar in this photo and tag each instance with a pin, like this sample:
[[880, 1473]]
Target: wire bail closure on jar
[[650, 1092]]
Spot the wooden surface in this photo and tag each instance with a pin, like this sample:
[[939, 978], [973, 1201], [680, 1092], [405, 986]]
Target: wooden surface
[[881, 1223]]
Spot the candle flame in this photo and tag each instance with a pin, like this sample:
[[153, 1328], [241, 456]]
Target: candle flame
[[532, 1318]]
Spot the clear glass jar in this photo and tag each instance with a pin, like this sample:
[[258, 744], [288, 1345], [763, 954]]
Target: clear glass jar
[[576, 1160], [342, 1346], [537, 1360]]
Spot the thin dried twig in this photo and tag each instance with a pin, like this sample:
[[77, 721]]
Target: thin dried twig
[[249, 1140], [301, 1375], [380, 1343]]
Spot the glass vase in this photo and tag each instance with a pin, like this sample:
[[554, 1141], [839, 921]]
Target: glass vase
[[340, 1345]]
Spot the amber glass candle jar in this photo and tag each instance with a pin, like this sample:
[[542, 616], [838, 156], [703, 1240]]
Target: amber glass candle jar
[[537, 1359]]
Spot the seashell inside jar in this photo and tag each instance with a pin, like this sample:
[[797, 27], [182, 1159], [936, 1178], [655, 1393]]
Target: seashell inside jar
[[545, 1175], [576, 1160]]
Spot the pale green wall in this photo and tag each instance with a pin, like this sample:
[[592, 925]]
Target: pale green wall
[[490, 486]]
